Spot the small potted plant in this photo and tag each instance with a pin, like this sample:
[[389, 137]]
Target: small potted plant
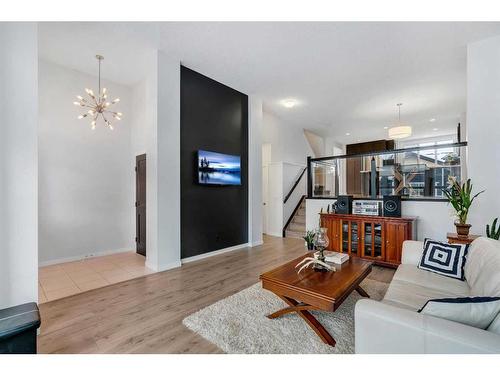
[[309, 238], [460, 197], [492, 231]]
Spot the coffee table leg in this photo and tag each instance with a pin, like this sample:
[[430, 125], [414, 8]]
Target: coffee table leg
[[362, 292], [302, 310]]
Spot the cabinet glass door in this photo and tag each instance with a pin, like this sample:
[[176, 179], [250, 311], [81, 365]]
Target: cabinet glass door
[[377, 235], [354, 237], [345, 236], [372, 240]]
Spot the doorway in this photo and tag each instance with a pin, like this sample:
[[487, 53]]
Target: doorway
[[140, 204]]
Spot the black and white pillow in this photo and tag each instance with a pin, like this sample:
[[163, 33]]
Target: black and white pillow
[[477, 312], [444, 258]]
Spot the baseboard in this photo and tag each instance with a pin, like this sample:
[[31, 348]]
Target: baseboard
[[256, 243], [275, 234], [215, 252], [169, 266], [84, 256]]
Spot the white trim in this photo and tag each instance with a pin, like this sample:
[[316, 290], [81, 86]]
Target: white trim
[[169, 266], [256, 243], [84, 256], [215, 252], [275, 234]]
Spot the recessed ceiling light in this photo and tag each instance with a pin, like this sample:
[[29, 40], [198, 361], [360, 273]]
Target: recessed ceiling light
[[347, 133], [289, 103], [432, 120], [386, 127], [435, 129]]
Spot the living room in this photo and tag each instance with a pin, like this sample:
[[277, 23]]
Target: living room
[[257, 188]]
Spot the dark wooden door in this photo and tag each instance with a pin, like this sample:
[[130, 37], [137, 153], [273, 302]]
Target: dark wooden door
[[140, 204]]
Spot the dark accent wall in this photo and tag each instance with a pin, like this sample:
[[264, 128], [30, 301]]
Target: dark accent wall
[[214, 117]]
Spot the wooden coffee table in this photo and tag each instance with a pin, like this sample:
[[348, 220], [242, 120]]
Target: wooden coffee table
[[312, 290]]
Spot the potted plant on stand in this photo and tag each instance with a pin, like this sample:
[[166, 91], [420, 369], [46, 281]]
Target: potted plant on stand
[[460, 197]]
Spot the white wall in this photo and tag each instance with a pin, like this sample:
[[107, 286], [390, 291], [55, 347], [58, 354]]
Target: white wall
[[255, 198], [86, 182], [316, 143], [483, 129], [288, 143], [281, 177], [168, 168], [289, 152], [433, 218], [144, 141], [275, 200], [18, 164]]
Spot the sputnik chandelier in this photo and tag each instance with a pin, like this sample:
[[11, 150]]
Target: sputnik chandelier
[[97, 105]]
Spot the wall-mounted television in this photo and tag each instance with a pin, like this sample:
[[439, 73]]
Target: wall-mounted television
[[218, 169]]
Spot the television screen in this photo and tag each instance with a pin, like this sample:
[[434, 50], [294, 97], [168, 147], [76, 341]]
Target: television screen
[[218, 169]]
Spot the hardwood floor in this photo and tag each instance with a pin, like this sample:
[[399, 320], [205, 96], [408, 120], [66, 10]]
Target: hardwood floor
[[145, 315]]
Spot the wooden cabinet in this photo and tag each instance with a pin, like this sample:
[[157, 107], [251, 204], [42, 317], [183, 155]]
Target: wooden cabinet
[[376, 238]]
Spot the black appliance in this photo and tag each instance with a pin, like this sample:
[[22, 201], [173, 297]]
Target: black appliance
[[392, 205], [344, 204]]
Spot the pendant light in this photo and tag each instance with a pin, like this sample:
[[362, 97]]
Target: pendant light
[[400, 131], [97, 105]]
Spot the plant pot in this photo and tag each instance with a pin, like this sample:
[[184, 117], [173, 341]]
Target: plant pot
[[462, 229], [310, 246]]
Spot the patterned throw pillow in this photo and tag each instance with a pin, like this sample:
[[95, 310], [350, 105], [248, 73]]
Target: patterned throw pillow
[[477, 312], [444, 258]]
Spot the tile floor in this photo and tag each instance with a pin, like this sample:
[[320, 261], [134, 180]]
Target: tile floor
[[66, 279]]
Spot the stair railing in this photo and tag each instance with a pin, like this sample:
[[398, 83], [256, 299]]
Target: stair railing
[[295, 185]]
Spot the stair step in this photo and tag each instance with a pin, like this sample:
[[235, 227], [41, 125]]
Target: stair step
[[300, 219], [293, 234], [297, 227], [301, 211]]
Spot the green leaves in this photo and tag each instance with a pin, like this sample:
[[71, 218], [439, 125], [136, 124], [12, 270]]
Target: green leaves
[[493, 231], [309, 237], [460, 197]]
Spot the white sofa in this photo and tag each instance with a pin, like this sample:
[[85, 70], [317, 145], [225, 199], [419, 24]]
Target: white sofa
[[393, 325]]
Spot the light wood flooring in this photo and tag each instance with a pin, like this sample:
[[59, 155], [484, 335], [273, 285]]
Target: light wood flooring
[[67, 279], [144, 315]]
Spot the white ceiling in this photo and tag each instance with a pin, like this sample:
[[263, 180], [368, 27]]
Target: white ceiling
[[347, 76]]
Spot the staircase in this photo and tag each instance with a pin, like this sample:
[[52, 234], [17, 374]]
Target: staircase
[[297, 226]]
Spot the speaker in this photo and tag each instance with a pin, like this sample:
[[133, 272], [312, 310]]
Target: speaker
[[392, 205], [344, 204]]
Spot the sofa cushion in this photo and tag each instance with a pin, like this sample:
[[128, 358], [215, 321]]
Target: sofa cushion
[[444, 258], [482, 269], [477, 312], [412, 296], [495, 325], [414, 275]]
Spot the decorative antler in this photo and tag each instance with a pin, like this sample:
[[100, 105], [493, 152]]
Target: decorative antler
[[306, 262]]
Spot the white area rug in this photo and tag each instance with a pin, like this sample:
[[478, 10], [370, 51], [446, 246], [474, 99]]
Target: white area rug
[[238, 323]]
